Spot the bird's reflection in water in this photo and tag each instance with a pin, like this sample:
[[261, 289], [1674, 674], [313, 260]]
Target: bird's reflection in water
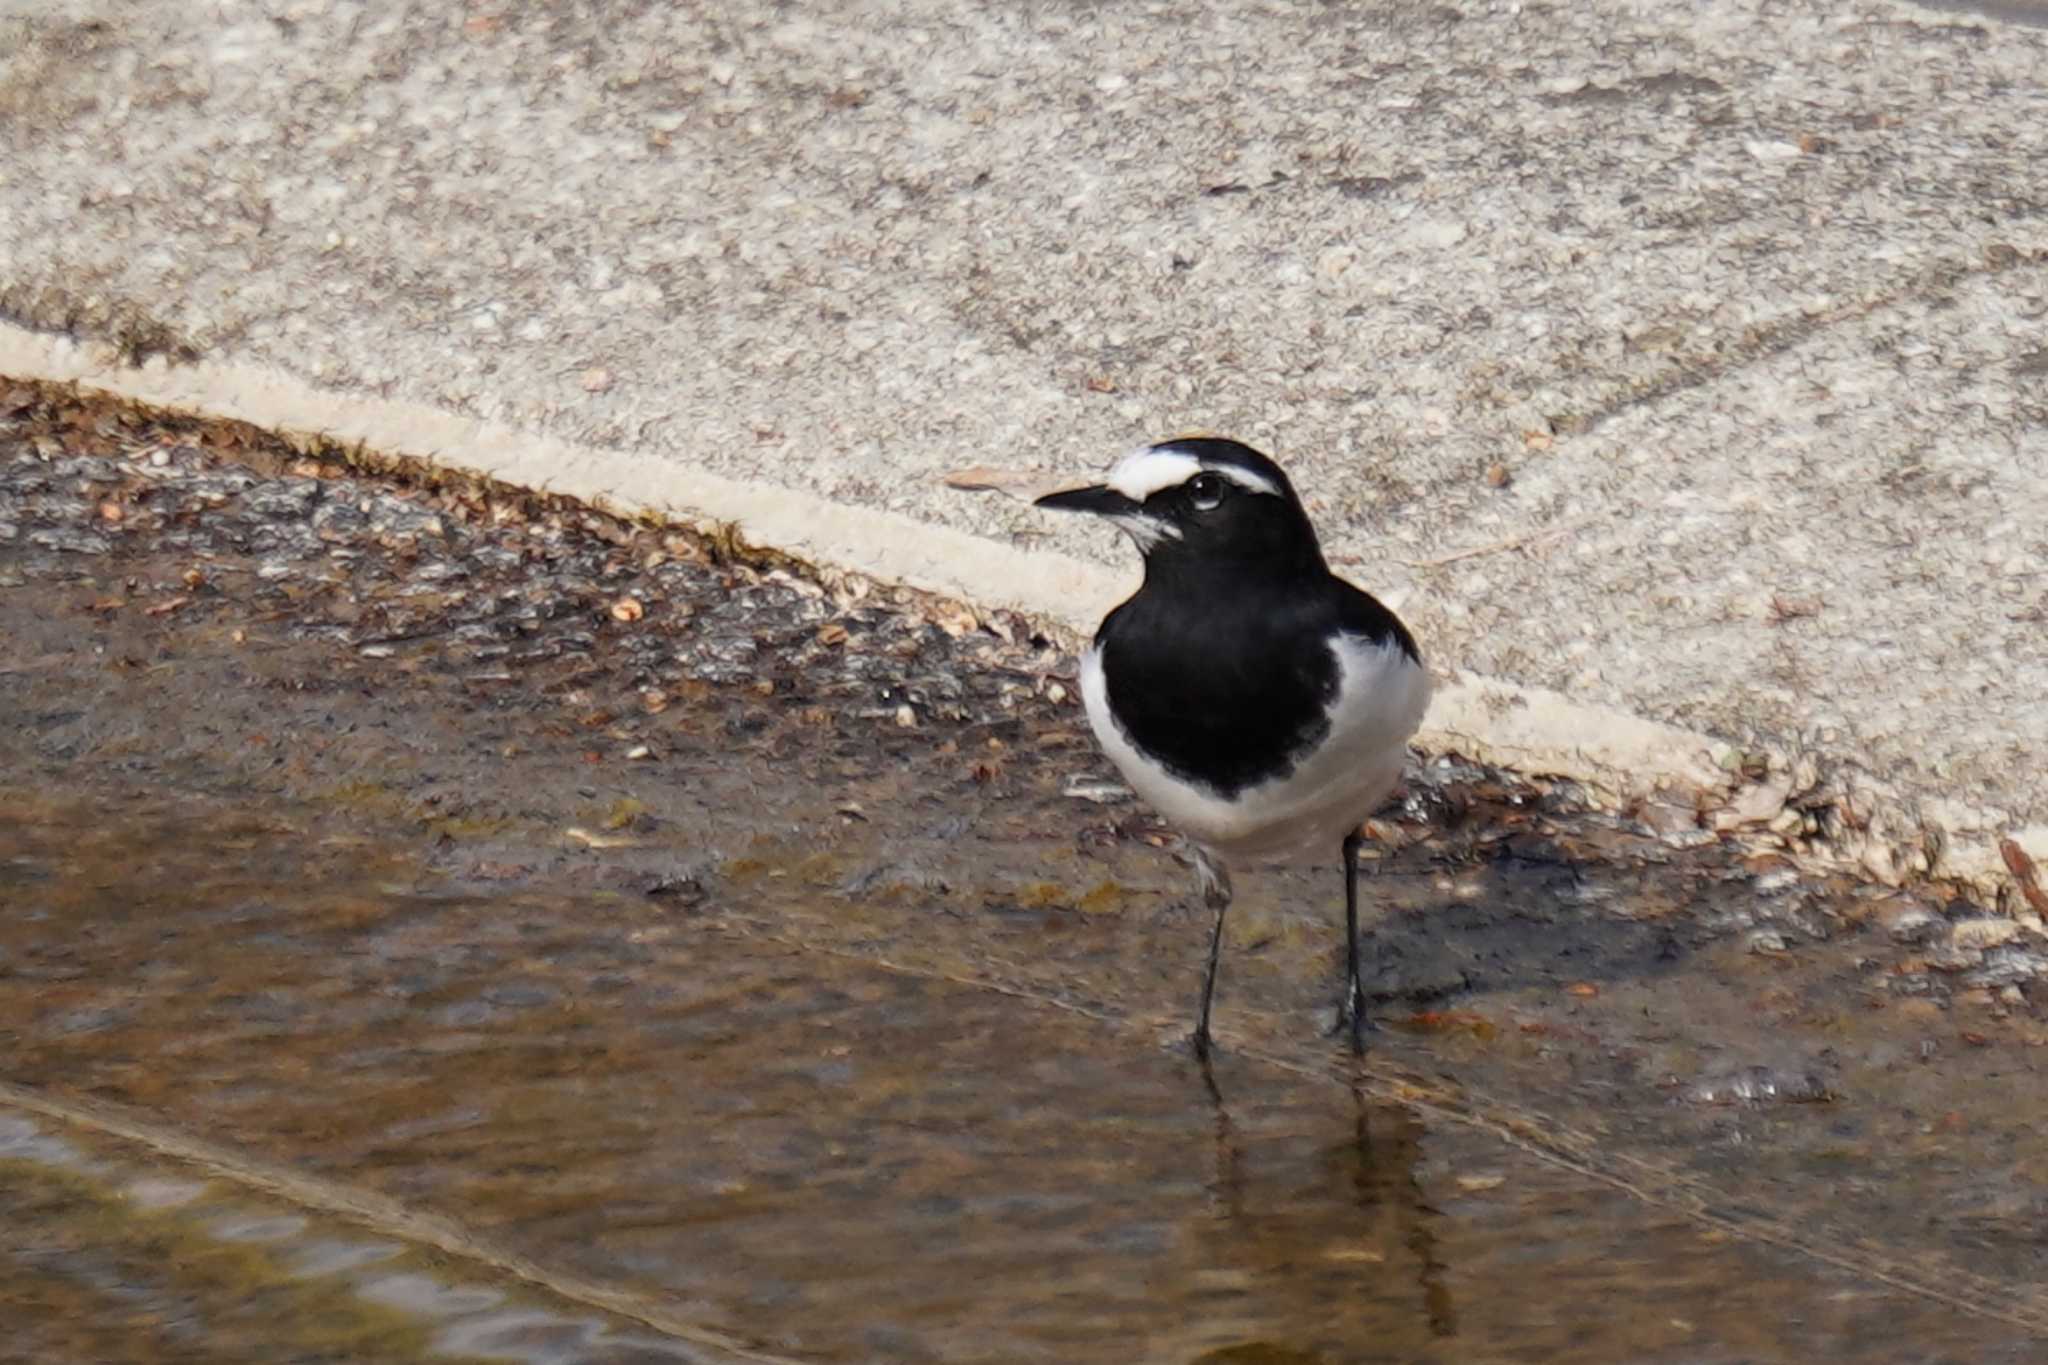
[[1336, 1222]]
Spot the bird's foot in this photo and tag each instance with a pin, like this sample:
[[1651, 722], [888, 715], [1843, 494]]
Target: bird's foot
[[1351, 1018]]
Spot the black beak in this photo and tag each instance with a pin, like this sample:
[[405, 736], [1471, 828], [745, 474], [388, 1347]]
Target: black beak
[[1097, 498]]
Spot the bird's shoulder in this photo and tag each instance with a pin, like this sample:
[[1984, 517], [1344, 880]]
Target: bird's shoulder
[[1360, 615]]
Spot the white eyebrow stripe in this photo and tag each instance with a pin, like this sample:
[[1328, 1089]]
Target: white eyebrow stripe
[[1142, 473], [1245, 479]]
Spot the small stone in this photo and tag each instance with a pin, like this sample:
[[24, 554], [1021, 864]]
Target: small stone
[[1754, 805], [906, 716], [628, 609], [597, 379], [1761, 1085], [1906, 920], [76, 542], [1778, 879], [1100, 793], [954, 618], [1668, 817], [1766, 941], [1946, 957], [2007, 966], [1982, 931]]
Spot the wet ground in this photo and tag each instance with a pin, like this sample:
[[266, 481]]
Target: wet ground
[[438, 925]]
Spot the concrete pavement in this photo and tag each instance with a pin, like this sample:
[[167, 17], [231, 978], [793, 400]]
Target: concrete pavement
[[1680, 371]]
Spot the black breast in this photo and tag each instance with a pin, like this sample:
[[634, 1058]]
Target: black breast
[[1227, 689]]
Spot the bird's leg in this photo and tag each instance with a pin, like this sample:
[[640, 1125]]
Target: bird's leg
[[1214, 880], [1351, 1009]]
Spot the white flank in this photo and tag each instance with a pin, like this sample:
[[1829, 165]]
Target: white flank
[[1142, 473], [1381, 696]]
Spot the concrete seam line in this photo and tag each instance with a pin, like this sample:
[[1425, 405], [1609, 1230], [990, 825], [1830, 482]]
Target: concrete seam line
[[375, 1211], [1527, 729]]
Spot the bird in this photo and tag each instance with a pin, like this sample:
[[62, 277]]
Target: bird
[[1256, 701]]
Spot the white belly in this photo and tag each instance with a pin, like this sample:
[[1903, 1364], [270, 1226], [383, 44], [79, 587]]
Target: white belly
[[1381, 696]]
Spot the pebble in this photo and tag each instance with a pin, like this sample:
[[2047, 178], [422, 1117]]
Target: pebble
[[1910, 921], [75, 542], [288, 498], [2007, 966], [1760, 1084], [338, 517], [1982, 931], [1776, 880]]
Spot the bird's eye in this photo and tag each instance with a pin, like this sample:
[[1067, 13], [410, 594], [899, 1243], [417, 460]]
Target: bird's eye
[[1205, 491]]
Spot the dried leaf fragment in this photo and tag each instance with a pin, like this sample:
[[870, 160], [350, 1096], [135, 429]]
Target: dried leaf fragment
[[592, 840], [954, 618], [1026, 485], [2024, 875], [1783, 608]]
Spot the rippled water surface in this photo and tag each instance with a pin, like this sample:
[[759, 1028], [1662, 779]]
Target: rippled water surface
[[809, 1150], [544, 982]]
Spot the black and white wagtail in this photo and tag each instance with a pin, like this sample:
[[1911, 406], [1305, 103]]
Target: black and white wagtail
[[1254, 699]]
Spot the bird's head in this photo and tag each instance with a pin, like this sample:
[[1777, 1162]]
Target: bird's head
[[1200, 501]]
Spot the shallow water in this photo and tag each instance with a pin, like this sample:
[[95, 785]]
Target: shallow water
[[369, 1001], [851, 1152]]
